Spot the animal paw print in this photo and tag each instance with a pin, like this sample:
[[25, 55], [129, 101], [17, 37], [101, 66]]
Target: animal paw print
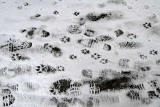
[[73, 57], [85, 51], [95, 56], [147, 25], [153, 83], [74, 29], [45, 68], [17, 57], [104, 61], [40, 68], [76, 13], [153, 52], [153, 94], [65, 39], [131, 36], [60, 68], [8, 98]]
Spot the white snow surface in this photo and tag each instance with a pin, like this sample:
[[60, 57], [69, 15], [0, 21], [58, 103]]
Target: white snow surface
[[130, 15]]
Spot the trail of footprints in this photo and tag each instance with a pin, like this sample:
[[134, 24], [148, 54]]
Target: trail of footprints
[[108, 80]]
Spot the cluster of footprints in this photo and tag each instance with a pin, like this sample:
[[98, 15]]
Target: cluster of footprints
[[97, 44]]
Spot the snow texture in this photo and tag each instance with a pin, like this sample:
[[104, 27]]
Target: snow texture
[[79, 53]]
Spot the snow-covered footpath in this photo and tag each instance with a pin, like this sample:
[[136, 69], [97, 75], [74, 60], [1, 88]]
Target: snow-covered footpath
[[79, 53]]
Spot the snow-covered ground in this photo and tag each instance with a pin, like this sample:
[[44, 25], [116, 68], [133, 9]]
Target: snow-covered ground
[[79, 53]]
